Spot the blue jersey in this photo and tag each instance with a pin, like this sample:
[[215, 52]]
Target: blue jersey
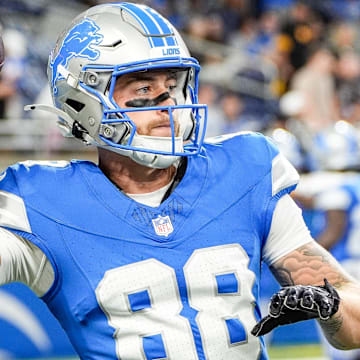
[[349, 245], [180, 281]]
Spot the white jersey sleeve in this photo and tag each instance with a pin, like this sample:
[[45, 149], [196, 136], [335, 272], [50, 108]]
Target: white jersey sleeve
[[22, 261], [288, 230]]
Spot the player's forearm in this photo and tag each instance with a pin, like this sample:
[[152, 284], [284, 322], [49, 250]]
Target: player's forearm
[[309, 265], [343, 329]]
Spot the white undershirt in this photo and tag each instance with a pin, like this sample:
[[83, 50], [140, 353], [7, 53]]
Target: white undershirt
[[152, 199], [24, 262]]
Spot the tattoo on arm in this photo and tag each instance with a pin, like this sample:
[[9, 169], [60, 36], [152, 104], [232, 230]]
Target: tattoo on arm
[[309, 265], [284, 277], [330, 328]]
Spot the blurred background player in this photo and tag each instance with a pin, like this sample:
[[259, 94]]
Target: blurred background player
[[330, 198]]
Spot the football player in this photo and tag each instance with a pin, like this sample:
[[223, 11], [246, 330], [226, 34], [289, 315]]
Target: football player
[[155, 251], [330, 198]]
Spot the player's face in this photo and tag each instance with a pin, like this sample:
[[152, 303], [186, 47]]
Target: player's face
[[149, 89]]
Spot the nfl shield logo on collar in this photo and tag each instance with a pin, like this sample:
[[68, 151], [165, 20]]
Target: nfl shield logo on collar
[[162, 225]]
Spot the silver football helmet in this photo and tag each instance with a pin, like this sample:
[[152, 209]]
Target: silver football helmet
[[337, 148], [289, 146], [108, 41]]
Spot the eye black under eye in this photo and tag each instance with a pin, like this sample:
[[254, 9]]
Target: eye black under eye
[[145, 102]]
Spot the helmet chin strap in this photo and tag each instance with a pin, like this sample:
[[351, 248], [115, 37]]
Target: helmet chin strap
[[155, 143]]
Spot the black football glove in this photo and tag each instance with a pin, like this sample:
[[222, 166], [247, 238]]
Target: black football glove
[[296, 303]]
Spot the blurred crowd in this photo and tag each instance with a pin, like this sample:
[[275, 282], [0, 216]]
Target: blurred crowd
[[265, 63], [253, 53]]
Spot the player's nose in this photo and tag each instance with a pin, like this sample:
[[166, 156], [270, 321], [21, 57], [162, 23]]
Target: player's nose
[[167, 100]]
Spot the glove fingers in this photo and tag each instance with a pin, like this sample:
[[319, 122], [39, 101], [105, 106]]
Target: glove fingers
[[307, 300], [292, 297], [324, 306], [264, 326], [325, 310], [276, 304], [297, 303]]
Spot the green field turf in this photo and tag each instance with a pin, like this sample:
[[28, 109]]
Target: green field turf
[[296, 352]]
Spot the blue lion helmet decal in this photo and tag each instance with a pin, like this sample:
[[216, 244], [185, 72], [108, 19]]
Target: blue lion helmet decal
[[78, 42]]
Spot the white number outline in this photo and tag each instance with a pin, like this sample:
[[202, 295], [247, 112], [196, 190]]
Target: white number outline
[[243, 286], [177, 305]]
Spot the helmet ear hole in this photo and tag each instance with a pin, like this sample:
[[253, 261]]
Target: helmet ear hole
[[74, 104]]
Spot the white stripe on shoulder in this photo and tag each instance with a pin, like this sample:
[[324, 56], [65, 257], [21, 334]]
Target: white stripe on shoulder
[[283, 174], [13, 212], [220, 138], [2, 175], [52, 163]]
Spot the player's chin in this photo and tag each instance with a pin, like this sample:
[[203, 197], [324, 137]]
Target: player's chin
[[162, 131]]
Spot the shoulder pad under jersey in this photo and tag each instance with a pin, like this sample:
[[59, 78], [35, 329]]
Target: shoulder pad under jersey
[[258, 149], [12, 206], [13, 212]]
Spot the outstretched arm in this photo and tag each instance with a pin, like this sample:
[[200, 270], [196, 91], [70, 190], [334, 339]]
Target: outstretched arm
[[309, 265]]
